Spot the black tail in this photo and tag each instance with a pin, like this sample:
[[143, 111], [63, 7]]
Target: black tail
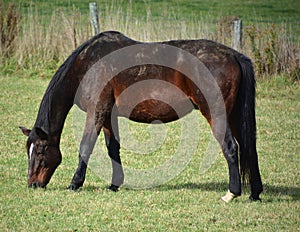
[[247, 126]]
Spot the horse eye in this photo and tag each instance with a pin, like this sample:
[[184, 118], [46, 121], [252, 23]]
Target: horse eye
[[40, 150], [44, 164]]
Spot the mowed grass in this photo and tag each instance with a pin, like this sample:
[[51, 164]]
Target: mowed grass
[[189, 202], [250, 10]]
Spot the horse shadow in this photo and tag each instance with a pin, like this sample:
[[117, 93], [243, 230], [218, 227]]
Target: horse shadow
[[274, 193]]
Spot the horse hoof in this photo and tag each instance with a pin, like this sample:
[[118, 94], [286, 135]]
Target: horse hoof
[[72, 187], [113, 188], [228, 197], [254, 199]]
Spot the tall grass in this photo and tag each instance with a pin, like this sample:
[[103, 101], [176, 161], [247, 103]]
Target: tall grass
[[9, 29], [42, 42]]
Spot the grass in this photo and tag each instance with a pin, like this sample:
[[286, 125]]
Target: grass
[[249, 10], [188, 202], [50, 30]]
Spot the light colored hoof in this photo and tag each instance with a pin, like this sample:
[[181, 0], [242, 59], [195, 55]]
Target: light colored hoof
[[228, 197]]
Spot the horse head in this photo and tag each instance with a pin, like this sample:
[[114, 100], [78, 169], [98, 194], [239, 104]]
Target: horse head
[[44, 156]]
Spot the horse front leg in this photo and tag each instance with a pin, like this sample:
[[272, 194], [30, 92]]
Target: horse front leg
[[111, 133], [86, 148]]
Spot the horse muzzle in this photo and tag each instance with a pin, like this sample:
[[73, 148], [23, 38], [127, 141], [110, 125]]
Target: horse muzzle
[[35, 185]]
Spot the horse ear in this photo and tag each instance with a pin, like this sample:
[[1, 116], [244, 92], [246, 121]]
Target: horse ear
[[25, 130], [42, 134]]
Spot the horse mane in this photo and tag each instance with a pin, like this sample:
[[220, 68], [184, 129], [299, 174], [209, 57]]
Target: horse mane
[[64, 68], [44, 114]]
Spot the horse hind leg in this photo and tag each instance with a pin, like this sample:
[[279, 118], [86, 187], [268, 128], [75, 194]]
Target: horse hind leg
[[252, 161], [230, 151], [111, 134]]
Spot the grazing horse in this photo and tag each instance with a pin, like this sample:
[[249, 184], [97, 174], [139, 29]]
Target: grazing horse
[[230, 73]]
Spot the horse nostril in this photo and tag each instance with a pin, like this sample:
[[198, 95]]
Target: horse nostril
[[34, 185]]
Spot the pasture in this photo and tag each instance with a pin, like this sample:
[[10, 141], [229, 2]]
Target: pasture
[[190, 201]]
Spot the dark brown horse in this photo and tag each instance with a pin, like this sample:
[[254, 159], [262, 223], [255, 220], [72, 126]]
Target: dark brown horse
[[221, 85]]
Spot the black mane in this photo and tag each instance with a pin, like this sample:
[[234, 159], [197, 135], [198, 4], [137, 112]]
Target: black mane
[[44, 113]]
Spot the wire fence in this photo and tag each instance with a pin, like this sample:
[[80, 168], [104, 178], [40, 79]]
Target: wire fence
[[44, 41]]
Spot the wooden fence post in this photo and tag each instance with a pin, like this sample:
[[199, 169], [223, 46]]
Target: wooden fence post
[[94, 17], [237, 34]]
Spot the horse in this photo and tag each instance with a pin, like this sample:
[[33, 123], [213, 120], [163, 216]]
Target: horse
[[228, 78]]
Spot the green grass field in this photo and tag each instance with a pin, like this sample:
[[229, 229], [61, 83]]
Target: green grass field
[[251, 10], [190, 201]]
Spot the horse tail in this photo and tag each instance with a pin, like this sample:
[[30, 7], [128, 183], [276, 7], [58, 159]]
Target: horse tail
[[246, 127]]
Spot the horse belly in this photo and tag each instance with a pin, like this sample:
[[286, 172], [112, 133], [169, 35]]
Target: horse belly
[[151, 111], [152, 93]]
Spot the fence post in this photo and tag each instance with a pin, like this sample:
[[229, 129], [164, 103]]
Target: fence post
[[237, 34], [94, 17]]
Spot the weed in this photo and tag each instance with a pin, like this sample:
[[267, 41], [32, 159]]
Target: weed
[[9, 29], [273, 53], [225, 29]]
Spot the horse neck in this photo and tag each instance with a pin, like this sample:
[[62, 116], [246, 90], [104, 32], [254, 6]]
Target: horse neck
[[60, 94], [56, 104]]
